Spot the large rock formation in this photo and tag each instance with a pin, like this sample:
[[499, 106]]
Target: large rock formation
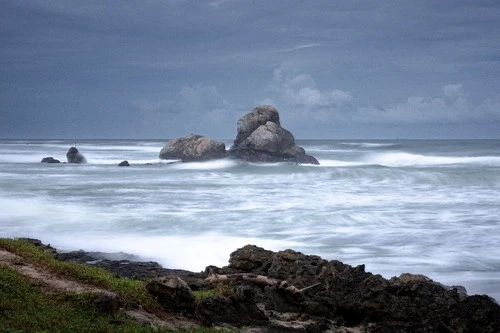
[[74, 156], [260, 138], [193, 147], [342, 295]]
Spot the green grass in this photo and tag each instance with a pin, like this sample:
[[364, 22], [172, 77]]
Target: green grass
[[27, 307], [128, 290], [220, 290]]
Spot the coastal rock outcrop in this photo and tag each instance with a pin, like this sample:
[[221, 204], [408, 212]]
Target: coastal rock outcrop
[[74, 156], [193, 147], [342, 295], [260, 138], [287, 291]]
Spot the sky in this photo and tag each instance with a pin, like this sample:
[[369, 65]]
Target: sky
[[159, 69]]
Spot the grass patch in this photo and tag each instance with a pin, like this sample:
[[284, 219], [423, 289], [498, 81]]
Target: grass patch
[[26, 307], [128, 290], [220, 290]]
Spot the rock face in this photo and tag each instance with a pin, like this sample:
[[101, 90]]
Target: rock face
[[247, 124], [50, 160], [193, 147], [172, 293], [260, 138], [239, 309], [350, 297], [74, 156]]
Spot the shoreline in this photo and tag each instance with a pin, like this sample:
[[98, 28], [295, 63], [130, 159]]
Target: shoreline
[[267, 291], [127, 264]]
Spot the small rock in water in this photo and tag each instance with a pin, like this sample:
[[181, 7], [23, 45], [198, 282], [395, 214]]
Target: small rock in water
[[124, 163], [49, 159]]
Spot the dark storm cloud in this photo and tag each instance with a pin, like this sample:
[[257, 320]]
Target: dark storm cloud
[[163, 68]]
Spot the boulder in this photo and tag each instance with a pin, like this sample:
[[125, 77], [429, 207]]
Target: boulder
[[193, 147], [238, 309], [50, 160], [123, 163], [261, 138], [172, 293], [74, 156], [247, 124]]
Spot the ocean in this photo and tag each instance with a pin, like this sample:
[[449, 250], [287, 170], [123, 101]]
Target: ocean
[[430, 207]]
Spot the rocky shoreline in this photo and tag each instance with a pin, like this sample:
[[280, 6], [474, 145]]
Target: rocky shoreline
[[287, 291]]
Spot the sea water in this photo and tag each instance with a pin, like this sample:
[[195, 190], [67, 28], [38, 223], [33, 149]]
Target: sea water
[[429, 207]]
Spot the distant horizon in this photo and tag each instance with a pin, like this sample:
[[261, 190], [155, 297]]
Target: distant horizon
[[231, 139]]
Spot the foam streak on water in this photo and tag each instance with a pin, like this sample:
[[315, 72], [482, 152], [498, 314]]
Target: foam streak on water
[[426, 207]]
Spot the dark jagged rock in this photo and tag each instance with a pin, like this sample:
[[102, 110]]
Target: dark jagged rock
[[131, 267], [192, 148], [352, 297], [260, 138], [172, 293], [239, 309], [49, 159], [73, 156], [123, 163]]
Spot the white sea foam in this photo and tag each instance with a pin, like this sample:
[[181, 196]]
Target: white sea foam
[[398, 159], [22, 158], [337, 163], [189, 252], [208, 165], [369, 144], [427, 207], [119, 148], [114, 161]]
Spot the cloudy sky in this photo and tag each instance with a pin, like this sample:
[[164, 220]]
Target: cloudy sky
[[165, 68]]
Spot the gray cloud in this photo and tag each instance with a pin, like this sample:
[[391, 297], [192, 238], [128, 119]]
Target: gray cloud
[[164, 67]]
